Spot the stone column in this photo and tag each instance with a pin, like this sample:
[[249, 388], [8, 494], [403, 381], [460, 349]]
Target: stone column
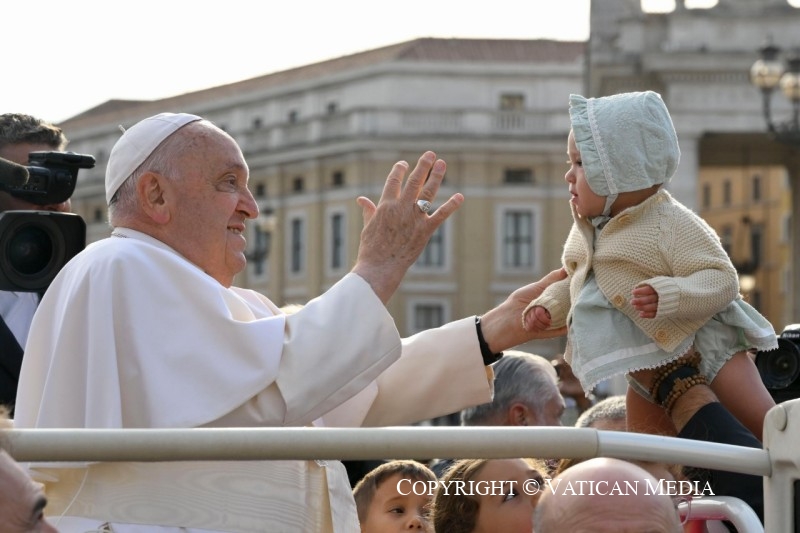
[[793, 166], [684, 183]]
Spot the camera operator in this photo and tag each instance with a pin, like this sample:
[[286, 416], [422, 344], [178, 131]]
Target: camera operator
[[19, 135]]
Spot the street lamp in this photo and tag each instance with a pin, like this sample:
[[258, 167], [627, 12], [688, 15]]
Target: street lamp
[[263, 230], [769, 73], [747, 268]]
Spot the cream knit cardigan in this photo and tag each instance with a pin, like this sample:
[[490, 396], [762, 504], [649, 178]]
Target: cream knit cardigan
[[660, 243]]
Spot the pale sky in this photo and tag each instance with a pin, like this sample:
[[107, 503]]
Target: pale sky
[[63, 57]]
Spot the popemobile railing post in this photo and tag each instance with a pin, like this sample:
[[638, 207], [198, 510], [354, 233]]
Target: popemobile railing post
[[782, 439]]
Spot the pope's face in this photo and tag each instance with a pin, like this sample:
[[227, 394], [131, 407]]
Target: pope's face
[[211, 203]]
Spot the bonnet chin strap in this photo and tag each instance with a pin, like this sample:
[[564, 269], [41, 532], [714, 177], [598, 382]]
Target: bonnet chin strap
[[610, 199]]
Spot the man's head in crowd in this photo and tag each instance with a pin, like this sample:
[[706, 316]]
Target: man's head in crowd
[[19, 136], [525, 394], [628, 510], [607, 414]]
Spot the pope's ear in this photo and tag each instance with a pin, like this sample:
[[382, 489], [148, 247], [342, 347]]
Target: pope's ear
[[150, 189]]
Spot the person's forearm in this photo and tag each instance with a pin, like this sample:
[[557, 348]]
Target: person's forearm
[[383, 280], [689, 403]]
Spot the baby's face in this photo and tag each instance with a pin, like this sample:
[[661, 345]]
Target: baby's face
[[396, 509], [586, 202]]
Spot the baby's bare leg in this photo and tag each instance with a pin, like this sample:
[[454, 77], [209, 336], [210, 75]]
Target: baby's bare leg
[[647, 417], [739, 388]]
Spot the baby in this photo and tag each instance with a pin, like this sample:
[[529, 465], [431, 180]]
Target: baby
[[648, 280]]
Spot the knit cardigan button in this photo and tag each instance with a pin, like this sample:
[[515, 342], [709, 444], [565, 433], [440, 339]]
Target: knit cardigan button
[[619, 301], [661, 335]]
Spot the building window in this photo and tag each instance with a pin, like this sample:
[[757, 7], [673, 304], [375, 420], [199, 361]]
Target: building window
[[99, 215], [706, 195], [518, 239], [756, 188], [433, 254], [786, 228], [261, 190], [726, 238], [297, 256], [726, 193], [257, 123], [260, 252], [512, 102], [755, 299], [427, 316], [756, 243], [337, 178], [332, 108], [337, 241], [298, 184], [292, 116], [516, 176]]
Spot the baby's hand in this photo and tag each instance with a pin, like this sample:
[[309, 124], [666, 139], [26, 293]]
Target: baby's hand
[[537, 318], [645, 300]]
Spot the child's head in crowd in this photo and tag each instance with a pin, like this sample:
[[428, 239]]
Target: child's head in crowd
[[512, 492], [387, 499]]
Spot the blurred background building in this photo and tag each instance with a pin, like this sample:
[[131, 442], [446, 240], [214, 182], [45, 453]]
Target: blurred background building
[[318, 136]]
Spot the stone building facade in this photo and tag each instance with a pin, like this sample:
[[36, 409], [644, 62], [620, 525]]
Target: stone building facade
[[318, 136]]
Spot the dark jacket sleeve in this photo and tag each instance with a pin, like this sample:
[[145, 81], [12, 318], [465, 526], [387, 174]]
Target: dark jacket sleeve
[[713, 423]]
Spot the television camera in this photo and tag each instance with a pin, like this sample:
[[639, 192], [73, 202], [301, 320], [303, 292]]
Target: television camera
[[780, 369], [36, 244]]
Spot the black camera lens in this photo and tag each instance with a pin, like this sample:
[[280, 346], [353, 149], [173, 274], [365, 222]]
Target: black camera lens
[[779, 368], [34, 245], [30, 250]]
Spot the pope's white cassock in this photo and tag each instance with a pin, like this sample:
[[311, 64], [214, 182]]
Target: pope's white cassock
[[132, 335]]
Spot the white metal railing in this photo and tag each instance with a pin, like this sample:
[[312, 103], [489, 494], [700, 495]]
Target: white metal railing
[[734, 510], [245, 444], [779, 462]]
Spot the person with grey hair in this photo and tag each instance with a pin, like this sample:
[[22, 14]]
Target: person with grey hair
[[609, 414], [526, 394]]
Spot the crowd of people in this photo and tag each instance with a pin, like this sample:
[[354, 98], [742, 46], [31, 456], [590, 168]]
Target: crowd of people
[[145, 329]]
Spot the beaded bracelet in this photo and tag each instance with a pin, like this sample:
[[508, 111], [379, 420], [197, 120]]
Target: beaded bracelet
[[680, 387], [668, 383], [691, 360]]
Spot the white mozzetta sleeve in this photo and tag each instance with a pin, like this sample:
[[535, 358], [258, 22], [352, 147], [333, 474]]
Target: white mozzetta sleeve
[[440, 371], [334, 347]]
